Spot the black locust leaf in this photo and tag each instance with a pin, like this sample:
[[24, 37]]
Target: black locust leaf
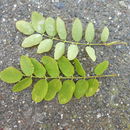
[[100, 68], [39, 70], [90, 32], [38, 22], [45, 46], [51, 66], [32, 40], [59, 50], [61, 29], [40, 90], [54, 86], [66, 92], [65, 66], [93, 87], [77, 30], [79, 68], [26, 65], [21, 85], [50, 26], [81, 88], [10, 75], [24, 27], [105, 34], [72, 52]]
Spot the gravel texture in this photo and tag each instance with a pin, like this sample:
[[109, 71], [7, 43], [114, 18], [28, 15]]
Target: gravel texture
[[109, 109]]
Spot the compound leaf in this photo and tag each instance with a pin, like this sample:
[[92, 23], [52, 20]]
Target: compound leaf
[[66, 92], [24, 27], [105, 34], [38, 22], [39, 70], [40, 90], [93, 87], [45, 46], [51, 66], [21, 85], [100, 68], [79, 68], [90, 32], [32, 40], [80, 88], [77, 30], [65, 66], [91, 52], [10, 75], [50, 26], [61, 29], [54, 86], [26, 65], [59, 50], [72, 52]]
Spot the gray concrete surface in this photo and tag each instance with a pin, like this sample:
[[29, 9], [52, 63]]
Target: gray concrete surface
[[109, 109]]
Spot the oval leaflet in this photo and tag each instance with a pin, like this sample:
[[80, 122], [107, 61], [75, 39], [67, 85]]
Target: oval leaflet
[[32, 40], [40, 90], [89, 32], [24, 27], [38, 22], [65, 66], [91, 52], [72, 52], [77, 30], [54, 86], [61, 29], [26, 65], [66, 92], [10, 75], [21, 85], [39, 70], [50, 26], [45, 46], [100, 68], [51, 66], [59, 50]]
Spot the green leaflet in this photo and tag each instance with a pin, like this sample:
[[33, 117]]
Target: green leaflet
[[32, 40], [79, 68], [61, 29], [91, 52], [59, 50], [90, 32], [105, 34], [93, 87], [72, 52], [65, 66], [38, 22], [40, 90], [26, 65], [100, 68], [54, 86], [45, 46], [50, 26], [10, 75], [21, 85], [77, 30], [39, 70], [51, 66], [81, 88], [24, 27], [66, 92]]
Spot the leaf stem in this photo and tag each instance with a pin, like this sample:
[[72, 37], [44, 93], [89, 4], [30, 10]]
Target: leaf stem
[[85, 77], [88, 44]]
